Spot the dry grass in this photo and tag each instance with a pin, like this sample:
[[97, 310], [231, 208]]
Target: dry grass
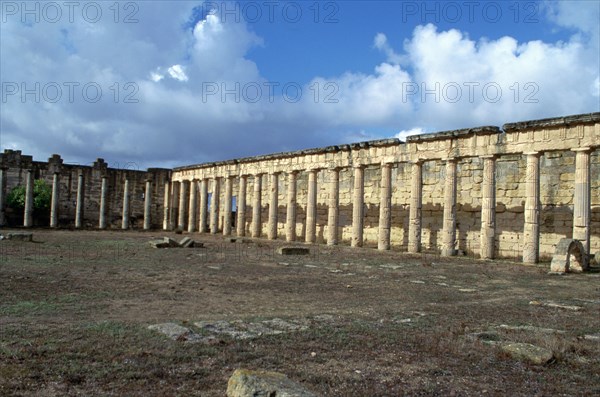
[[74, 307]]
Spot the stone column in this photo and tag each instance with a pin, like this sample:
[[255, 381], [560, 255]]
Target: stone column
[[449, 222], [193, 209], [125, 217], [54, 202], [103, 203], [273, 206], [311, 207], [416, 202], [2, 195], [174, 204], [227, 206], [385, 207], [531, 228], [79, 204], [183, 204], [166, 205], [333, 212], [148, 205], [488, 208], [241, 207], [358, 201], [214, 207], [28, 213], [581, 198], [256, 206], [203, 223], [290, 220]]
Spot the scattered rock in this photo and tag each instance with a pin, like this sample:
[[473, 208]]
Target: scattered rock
[[158, 244], [556, 305], [20, 236], [172, 243], [390, 266], [168, 242], [467, 290], [294, 251], [417, 281], [485, 336], [248, 383], [187, 242], [594, 337], [176, 332], [530, 328], [528, 352]]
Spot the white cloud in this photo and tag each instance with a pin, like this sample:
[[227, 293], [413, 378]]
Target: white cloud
[[380, 42], [562, 77], [413, 131], [177, 72]]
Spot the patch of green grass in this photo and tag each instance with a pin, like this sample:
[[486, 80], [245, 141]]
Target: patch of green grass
[[26, 308]]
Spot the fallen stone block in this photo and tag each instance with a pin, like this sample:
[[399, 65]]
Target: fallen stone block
[[20, 236], [294, 251], [172, 243], [248, 383], [158, 244], [528, 352], [569, 256], [187, 242], [176, 332]]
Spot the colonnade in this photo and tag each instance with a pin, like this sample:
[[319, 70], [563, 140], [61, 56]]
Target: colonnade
[[186, 204], [581, 217]]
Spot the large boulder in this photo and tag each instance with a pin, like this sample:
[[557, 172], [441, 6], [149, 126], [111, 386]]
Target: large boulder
[[248, 383]]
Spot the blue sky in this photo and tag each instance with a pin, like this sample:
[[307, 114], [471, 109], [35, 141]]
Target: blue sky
[[157, 83]]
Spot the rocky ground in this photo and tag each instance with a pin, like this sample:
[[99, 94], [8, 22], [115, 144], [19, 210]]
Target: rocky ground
[[106, 313]]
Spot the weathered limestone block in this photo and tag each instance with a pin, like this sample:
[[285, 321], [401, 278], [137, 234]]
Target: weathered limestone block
[[21, 236], [570, 256], [528, 352], [248, 383], [293, 251]]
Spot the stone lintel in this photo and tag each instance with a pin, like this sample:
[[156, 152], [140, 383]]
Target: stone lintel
[[553, 122], [581, 149], [485, 130]]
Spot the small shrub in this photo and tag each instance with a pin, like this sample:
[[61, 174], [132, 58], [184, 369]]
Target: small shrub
[[42, 195]]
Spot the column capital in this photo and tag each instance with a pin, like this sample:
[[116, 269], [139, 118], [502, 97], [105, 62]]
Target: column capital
[[313, 170], [581, 149], [450, 159], [489, 156], [388, 163], [274, 172], [533, 153], [358, 165]]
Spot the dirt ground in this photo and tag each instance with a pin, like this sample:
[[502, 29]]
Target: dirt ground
[[75, 307]]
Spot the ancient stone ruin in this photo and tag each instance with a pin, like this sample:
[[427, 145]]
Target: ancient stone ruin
[[512, 192]]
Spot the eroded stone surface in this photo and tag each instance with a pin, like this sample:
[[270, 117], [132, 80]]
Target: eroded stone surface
[[528, 352], [249, 383], [569, 256]]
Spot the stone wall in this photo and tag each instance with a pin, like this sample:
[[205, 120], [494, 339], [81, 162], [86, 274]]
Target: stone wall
[[15, 167], [512, 192], [552, 144]]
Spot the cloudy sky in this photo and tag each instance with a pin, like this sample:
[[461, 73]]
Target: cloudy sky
[[156, 83]]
